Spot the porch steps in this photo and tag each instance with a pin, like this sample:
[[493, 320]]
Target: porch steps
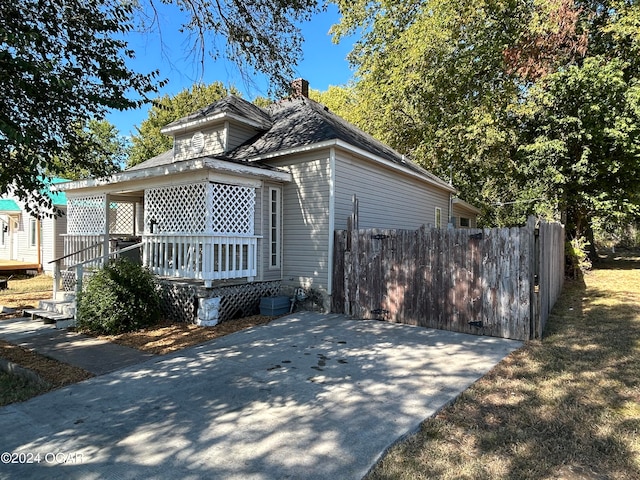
[[59, 312]]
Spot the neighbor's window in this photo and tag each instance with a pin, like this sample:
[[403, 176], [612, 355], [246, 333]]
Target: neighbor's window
[[464, 222], [274, 227], [33, 232], [438, 217]]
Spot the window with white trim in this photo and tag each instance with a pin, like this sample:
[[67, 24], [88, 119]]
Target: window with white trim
[[33, 232], [438, 217], [274, 227], [4, 233]]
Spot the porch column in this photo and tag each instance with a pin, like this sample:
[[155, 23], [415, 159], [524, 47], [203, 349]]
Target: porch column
[[105, 245]]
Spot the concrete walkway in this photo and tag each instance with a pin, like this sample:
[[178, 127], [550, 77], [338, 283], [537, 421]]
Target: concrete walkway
[[92, 354], [307, 396]]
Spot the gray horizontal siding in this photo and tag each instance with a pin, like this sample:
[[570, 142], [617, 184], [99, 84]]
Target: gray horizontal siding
[[386, 199], [306, 221], [238, 134]]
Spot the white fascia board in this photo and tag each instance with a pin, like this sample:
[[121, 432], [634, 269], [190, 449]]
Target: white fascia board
[[426, 177], [179, 167], [128, 176], [200, 122]]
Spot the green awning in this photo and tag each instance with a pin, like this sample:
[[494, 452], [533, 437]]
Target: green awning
[[9, 206]]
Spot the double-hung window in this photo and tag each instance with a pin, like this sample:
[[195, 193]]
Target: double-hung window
[[275, 214]]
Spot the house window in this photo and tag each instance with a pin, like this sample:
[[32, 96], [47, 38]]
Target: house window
[[3, 233], [438, 217], [464, 222], [274, 227], [33, 232]]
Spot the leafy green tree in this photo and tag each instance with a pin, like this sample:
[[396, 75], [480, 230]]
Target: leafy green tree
[[530, 107], [62, 63], [109, 152], [148, 141], [341, 100], [580, 142], [433, 83]]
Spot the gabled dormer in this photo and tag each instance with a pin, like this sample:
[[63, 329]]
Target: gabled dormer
[[216, 129]]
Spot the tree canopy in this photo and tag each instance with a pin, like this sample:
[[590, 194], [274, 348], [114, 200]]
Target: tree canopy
[[63, 63], [531, 107]]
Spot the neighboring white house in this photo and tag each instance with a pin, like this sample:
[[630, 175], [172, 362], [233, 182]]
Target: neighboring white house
[[31, 241], [250, 194]]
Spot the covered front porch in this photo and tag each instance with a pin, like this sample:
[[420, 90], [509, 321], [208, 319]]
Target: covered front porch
[[200, 224]]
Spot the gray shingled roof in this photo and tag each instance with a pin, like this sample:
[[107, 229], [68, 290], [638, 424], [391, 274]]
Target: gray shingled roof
[[295, 122], [162, 159], [300, 122], [230, 105]]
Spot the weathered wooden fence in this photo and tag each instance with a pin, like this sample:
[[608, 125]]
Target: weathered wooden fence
[[498, 282]]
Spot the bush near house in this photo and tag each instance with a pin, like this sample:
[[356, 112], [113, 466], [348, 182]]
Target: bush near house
[[121, 297]]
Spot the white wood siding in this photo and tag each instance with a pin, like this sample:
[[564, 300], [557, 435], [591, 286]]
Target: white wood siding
[[52, 239], [214, 142], [26, 253], [305, 217], [386, 199]]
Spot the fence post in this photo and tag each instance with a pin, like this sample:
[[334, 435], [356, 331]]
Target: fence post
[[534, 277]]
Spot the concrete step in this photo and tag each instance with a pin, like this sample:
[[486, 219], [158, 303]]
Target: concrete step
[[58, 306], [61, 320]]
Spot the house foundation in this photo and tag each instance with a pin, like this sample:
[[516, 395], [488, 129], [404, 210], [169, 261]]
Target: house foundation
[[180, 299]]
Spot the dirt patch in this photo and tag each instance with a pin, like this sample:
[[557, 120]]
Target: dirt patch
[[169, 337]]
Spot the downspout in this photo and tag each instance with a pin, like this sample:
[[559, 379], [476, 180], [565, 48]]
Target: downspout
[[450, 222], [332, 211]]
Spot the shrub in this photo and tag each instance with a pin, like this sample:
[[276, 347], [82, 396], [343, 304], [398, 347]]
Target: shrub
[[121, 297], [577, 257]]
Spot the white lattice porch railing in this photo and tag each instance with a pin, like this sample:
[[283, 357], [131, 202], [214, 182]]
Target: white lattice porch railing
[[202, 257]]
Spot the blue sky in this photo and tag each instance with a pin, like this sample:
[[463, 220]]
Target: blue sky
[[324, 63]]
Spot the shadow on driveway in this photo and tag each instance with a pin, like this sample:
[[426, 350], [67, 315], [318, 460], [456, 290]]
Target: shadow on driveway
[[307, 396]]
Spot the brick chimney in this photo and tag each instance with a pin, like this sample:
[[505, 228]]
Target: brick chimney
[[300, 88]]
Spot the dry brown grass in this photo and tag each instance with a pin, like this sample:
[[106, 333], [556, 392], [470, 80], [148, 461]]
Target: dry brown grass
[[25, 292], [564, 408]]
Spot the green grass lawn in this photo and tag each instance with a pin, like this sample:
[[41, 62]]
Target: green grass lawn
[[566, 407]]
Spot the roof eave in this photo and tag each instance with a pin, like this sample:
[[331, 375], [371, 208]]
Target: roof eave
[[178, 167], [426, 176], [183, 127]]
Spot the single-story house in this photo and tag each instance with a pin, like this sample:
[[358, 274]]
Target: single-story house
[[26, 241], [251, 194]]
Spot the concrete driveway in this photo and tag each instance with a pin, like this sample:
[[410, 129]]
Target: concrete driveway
[[308, 396]]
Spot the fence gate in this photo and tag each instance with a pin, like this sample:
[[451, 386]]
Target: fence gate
[[465, 280]]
